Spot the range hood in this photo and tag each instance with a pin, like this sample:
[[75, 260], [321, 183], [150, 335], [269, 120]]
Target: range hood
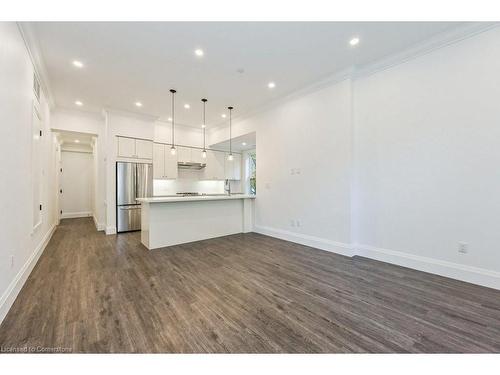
[[190, 165]]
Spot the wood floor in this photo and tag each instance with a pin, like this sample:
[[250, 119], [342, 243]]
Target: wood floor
[[240, 294]]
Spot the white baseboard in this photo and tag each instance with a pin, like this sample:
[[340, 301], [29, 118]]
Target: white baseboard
[[98, 226], [73, 215], [111, 230], [317, 242], [474, 275], [10, 295]]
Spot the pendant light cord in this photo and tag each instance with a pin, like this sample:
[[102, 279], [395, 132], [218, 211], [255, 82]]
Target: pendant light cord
[[230, 131], [173, 109], [204, 123]]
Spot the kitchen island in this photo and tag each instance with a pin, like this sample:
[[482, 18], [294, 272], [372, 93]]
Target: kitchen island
[[174, 220]]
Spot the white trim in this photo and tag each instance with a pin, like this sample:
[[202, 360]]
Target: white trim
[[303, 239], [98, 226], [474, 275], [73, 215], [111, 229], [10, 295]]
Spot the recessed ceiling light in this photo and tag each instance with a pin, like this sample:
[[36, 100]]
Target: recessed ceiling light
[[199, 52], [138, 104], [77, 141], [223, 115], [203, 126], [187, 106], [244, 144], [271, 85], [354, 41], [78, 64], [170, 119], [78, 103]]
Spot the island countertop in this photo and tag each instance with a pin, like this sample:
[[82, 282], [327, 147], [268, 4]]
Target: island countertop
[[170, 199]]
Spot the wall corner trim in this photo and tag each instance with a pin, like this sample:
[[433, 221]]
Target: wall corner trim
[[111, 229], [340, 248], [12, 291]]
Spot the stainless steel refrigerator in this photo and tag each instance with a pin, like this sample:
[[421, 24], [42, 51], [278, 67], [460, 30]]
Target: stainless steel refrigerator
[[133, 180]]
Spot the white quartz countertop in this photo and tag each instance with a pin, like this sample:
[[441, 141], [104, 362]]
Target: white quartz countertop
[[170, 199]]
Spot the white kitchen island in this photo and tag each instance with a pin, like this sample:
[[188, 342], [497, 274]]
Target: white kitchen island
[[167, 221]]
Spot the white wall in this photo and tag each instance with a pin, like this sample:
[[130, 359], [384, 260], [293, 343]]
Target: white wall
[[404, 179], [427, 153], [20, 246], [77, 184], [303, 173]]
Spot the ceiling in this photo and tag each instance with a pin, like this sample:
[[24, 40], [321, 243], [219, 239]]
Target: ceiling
[[126, 62], [242, 143], [75, 138]]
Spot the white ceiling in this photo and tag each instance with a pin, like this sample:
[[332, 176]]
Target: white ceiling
[[71, 138], [127, 62], [242, 143]]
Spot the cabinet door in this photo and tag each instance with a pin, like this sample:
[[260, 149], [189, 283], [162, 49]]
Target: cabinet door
[[214, 169], [196, 156], [126, 147], [232, 168], [158, 161], [170, 163], [143, 149], [184, 154]]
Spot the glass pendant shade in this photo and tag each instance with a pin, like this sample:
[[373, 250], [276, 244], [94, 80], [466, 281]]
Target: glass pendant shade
[[204, 154], [172, 150], [230, 157]]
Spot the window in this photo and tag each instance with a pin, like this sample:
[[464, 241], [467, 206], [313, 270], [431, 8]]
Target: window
[[252, 160]]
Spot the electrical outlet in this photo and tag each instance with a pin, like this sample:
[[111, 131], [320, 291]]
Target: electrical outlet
[[463, 247], [297, 171], [12, 261], [292, 171]]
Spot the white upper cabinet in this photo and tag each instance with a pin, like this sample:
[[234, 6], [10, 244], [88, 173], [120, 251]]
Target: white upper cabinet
[[170, 163], [196, 156], [214, 169], [164, 163], [143, 149], [135, 148], [126, 147], [232, 168], [184, 154], [158, 161]]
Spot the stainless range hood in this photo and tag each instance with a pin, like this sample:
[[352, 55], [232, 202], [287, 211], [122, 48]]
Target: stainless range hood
[[190, 165]]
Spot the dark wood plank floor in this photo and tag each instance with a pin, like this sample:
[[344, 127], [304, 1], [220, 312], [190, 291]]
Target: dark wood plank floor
[[240, 294]]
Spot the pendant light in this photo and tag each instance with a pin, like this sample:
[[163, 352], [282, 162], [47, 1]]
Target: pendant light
[[172, 149], [204, 152], [230, 156]]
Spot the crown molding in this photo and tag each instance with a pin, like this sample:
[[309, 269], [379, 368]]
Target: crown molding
[[33, 47], [439, 41]]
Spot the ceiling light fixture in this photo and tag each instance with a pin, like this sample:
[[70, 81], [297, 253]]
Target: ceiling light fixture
[[199, 52], [204, 152], [138, 104], [172, 149], [78, 103], [223, 115], [77, 141], [187, 106], [78, 64], [354, 41], [271, 85], [230, 156], [244, 144], [170, 119]]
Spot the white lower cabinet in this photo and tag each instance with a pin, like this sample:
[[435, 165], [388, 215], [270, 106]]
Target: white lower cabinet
[[164, 163]]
